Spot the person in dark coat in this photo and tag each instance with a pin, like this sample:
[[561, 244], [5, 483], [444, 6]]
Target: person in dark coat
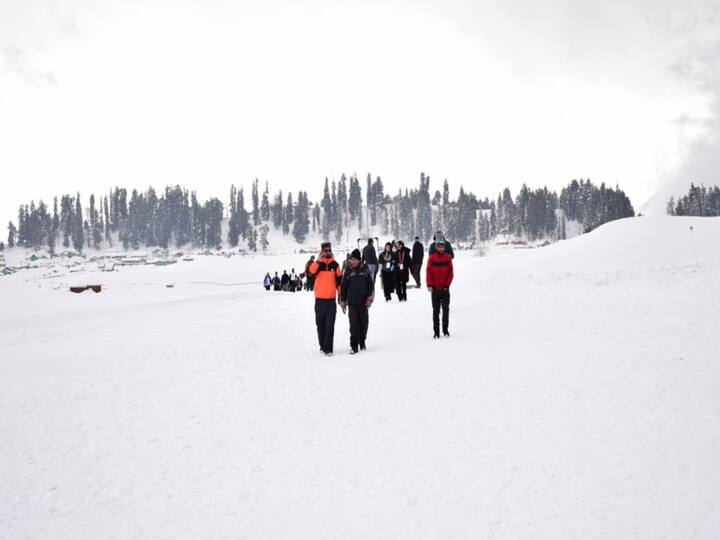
[[439, 276], [267, 282], [277, 283], [418, 253], [293, 281], [448, 247], [285, 280], [369, 258], [404, 262], [388, 269], [357, 292], [309, 279]]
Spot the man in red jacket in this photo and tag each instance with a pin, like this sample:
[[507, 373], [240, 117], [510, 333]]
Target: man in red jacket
[[439, 276]]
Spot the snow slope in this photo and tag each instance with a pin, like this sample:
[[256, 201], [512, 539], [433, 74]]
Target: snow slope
[[579, 397]]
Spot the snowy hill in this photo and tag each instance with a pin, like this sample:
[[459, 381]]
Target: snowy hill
[[578, 397]]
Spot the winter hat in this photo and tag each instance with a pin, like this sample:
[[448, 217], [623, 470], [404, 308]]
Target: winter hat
[[325, 245], [440, 242], [355, 254]]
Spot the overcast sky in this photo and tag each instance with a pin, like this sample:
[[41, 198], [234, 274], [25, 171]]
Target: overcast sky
[[486, 94]]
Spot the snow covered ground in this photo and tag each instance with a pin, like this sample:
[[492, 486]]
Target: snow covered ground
[[579, 397]]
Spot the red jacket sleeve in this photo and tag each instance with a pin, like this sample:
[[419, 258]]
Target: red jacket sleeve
[[450, 273], [428, 271]]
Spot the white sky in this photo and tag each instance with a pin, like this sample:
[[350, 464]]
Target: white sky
[[485, 94]]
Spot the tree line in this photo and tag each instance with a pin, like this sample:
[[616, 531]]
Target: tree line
[[698, 201], [176, 216]]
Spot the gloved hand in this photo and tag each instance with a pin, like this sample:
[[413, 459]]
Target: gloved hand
[[343, 306]]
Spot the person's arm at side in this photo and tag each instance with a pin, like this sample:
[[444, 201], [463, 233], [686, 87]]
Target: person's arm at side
[[338, 279], [344, 292], [450, 273], [428, 274], [314, 267], [371, 289]]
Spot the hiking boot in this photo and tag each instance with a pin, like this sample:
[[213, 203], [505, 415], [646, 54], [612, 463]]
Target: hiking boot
[[353, 351], [328, 353], [446, 333], [436, 335], [362, 346]]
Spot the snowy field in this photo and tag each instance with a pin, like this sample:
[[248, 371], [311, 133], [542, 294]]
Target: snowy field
[[578, 397]]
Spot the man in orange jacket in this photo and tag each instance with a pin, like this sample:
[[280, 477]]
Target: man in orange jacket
[[327, 276]]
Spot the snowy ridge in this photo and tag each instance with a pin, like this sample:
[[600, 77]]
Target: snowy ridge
[[578, 397]]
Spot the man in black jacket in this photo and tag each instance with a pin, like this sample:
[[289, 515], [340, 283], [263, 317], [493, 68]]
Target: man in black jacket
[[357, 292], [369, 258], [418, 252], [404, 262], [285, 280]]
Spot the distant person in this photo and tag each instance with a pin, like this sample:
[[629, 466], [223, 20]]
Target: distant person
[[327, 276], [357, 292], [404, 261], [285, 280], [300, 282], [448, 247], [418, 253], [292, 285], [439, 276], [267, 282], [369, 258], [388, 268], [277, 283], [346, 263], [309, 280]]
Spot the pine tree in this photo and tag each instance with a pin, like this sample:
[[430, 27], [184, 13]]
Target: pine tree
[[265, 208], [252, 239], [302, 218], [287, 215], [326, 222], [95, 224], [108, 230], [243, 221], [12, 235], [355, 200], [277, 210], [78, 237], [264, 230], [424, 210], [53, 229], [370, 201], [233, 233], [255, 203]]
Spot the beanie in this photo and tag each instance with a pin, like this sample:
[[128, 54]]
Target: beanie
[[355, 254]]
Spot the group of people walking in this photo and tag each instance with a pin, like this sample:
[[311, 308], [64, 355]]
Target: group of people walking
[[287, 282], [353, 288], [352, 285]]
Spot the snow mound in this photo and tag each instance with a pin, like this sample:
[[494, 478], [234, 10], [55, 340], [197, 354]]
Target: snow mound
[[626, 244]]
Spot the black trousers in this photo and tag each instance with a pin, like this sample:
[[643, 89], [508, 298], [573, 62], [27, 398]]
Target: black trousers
[[388, 281], [401, 285], [325, 312], [441, 299], [358, 316], [416, 272]]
